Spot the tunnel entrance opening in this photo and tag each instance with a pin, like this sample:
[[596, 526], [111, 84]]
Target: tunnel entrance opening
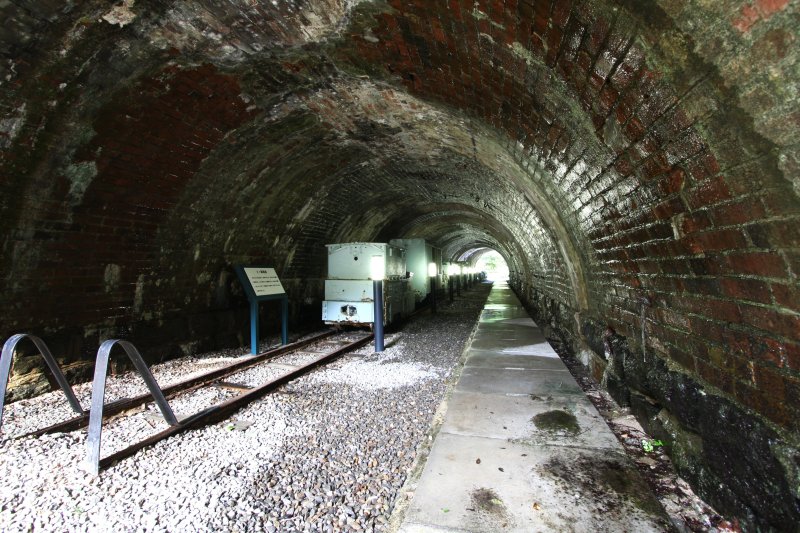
[[494, 265]]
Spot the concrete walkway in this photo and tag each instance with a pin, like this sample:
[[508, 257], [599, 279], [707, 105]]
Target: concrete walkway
[[522, 448]]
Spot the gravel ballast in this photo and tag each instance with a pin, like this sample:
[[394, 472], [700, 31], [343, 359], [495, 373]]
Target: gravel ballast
[[327, 452]]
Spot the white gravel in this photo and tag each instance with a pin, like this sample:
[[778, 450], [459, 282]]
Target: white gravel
[[380, 374], [191, 482], [327, 452]]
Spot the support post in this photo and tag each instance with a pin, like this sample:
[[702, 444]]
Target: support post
[[433, 294], [433, 273], [377, 290], [285, 321], [253, 327]]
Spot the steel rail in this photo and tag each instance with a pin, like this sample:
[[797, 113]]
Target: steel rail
[[222, 410], [125, 404]]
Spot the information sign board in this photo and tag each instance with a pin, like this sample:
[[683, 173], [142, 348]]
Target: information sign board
[[262, 284], [264, 281]]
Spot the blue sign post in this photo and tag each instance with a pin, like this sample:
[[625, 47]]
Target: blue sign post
[[262, 284]]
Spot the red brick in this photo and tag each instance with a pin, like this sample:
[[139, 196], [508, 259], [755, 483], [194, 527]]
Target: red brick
[[682, 358], [716, 377], [770, 381], [746, 289], [738, 212], [719, 358], [771, 320], [742, 368], [707, 329], [792, 260], [768, 351], [710, 192], [777, 411], [712, 308], [787, 295], [669, 208], [554, 37], [672, 182], [673, 319], [694, 222], [655, 166], [775, 233], [767, 8], [560, 12], [623, 166], [778, 202], [746, 18], [715, 240], [703, 167], [763, 264]]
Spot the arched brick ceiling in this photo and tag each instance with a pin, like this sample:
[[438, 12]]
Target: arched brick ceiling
[[610, 150], [614, 151]]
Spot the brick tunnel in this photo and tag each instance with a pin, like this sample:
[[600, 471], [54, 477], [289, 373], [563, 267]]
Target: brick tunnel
[[635, 163]]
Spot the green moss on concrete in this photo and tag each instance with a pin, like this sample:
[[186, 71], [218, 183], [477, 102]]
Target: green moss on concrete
[[557, 421]]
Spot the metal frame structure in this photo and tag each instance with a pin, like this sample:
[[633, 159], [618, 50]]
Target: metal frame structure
[[99, 410], [169, 391], [7, 356], [99, 392]]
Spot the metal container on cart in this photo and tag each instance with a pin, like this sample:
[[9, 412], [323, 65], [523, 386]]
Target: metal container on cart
[[352, 260], [349, 288], [419, 254]]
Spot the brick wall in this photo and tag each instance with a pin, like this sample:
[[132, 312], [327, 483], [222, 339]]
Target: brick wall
[[675, 206], [619, 154]]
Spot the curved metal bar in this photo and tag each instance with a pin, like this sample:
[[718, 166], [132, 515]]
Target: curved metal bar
[[99, 392], [224, 409], [7, 356]]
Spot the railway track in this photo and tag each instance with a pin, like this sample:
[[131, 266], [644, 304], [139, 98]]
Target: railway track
[[310, 353]]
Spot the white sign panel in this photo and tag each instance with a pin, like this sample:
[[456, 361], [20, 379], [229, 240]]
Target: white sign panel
[[265, 281]]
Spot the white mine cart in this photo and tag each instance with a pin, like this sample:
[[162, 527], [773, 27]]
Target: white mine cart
[[419, 254], [349, 287]]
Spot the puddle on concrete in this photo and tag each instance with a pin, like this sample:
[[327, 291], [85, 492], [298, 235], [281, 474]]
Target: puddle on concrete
[[557, 421]]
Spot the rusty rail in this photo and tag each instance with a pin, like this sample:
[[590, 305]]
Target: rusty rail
[[216, 412], [170, 391]]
